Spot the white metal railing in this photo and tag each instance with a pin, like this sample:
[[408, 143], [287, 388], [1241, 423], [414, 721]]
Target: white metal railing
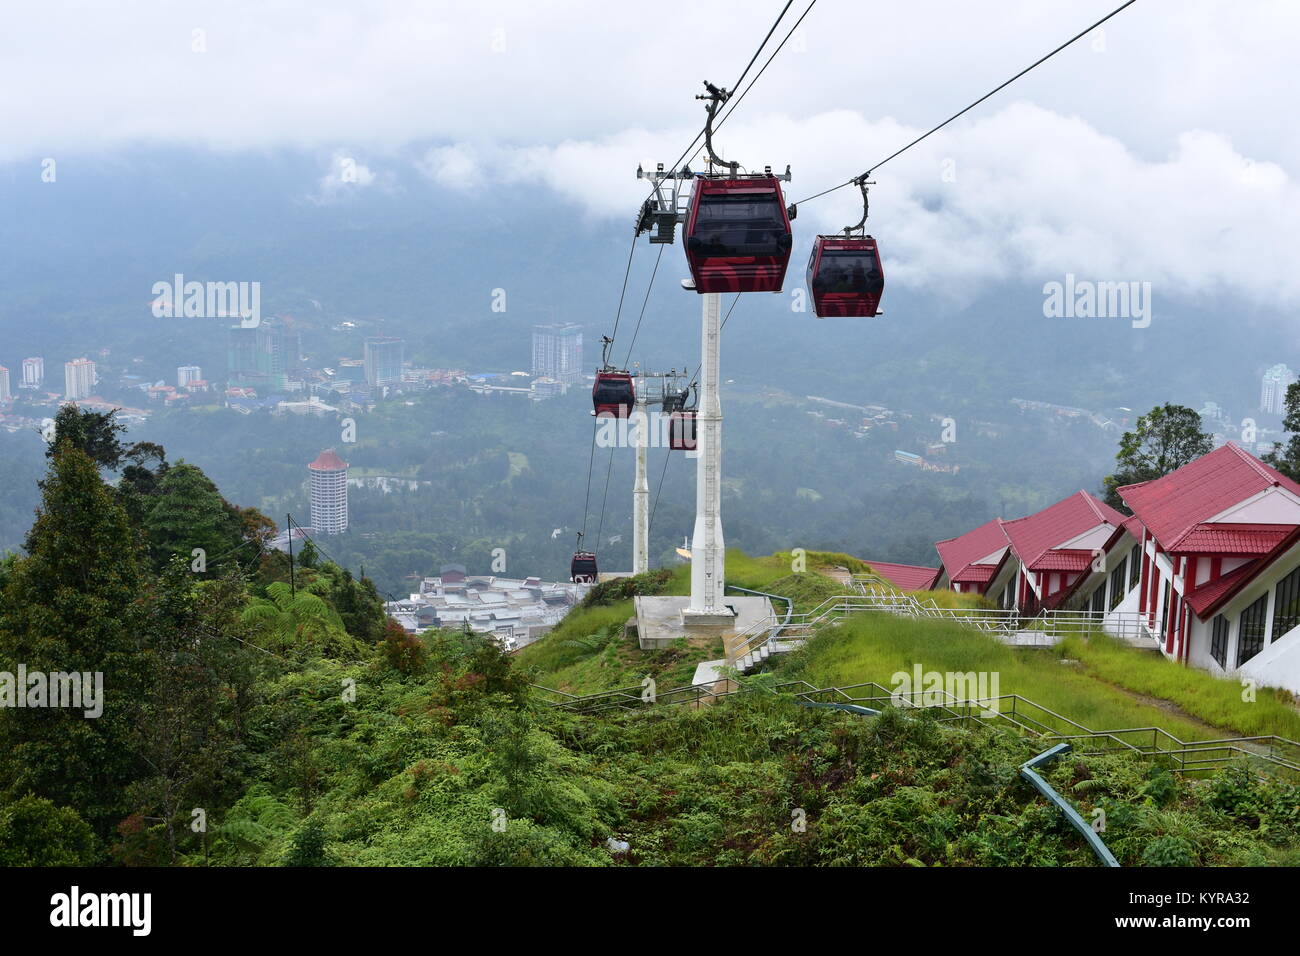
[[1130, 626]]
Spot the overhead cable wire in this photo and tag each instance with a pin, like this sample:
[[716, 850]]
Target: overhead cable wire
[[967, 109]]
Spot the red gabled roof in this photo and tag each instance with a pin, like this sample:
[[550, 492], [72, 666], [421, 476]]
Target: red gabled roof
[[1224, 538], [1071, 559], [328, 461], [1215, 592], [1034, 538], [958, 554], [1172, 506], [907, 577]]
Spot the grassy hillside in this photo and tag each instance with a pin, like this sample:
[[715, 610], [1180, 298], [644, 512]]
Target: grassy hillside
[[1099, 684], [588, 651]]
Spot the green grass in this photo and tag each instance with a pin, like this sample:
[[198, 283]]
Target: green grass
[[1212, 699], [952, 599], [587, 652], [873, 647]]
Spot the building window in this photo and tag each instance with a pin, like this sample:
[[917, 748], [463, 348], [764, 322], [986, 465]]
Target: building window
[[1250, 632], [1098, 599], [1286, 609], [1117, 590], [1164, 610], [1219, 640], [1134, 566]]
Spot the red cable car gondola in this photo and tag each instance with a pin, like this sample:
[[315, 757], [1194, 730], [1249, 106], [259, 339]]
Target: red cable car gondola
[[583, 569], [845, 276], [613, 394], [737, 234], [681, 431]]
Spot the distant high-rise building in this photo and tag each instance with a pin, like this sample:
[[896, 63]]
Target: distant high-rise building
[[188, 373], [383, 358], [329, 493], [259, 357], [1272, 393], [5, 394], [78, 379], [33, 372], [557, 352]]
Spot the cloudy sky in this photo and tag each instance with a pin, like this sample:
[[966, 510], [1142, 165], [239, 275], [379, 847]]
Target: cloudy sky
[[1162, 148]]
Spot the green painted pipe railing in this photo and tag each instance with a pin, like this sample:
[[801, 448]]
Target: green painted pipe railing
[[1029, 772], [851, 708]]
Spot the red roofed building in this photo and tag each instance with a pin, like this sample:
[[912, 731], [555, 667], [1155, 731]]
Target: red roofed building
[[329, 493], [975, 562], [905, 577], [1063, 551], [1220, 552]]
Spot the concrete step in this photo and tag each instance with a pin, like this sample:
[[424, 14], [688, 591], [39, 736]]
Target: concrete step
[[706, 672]]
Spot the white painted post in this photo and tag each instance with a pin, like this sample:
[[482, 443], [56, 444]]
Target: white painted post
[[641, 487], [708, 551]]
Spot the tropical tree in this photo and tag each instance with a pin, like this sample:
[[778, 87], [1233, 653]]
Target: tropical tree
[[73, 606], [287, 620], [188, 513], [1164, 439], [1288, 462]]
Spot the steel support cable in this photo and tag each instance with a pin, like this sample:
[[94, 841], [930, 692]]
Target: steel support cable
[[644, 302], [626, 273], [691, 148], [736, 102], [650, 522], [591, 459], [600, 528], [967, 109]]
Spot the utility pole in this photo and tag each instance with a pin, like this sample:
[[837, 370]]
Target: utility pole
[[293, 587]]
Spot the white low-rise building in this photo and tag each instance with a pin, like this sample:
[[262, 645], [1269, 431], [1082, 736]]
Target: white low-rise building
[[516, 611]]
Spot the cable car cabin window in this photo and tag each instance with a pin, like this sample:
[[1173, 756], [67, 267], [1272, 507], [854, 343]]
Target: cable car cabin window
[[852, 271], [739, 226]]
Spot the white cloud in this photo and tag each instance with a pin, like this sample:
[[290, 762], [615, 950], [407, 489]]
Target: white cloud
[[1034, 195], [345, 173], [1166, 157]]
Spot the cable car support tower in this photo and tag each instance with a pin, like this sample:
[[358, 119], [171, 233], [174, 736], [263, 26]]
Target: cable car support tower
[[660, 215]]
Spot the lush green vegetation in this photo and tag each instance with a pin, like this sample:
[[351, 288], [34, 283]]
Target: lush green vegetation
[[257, 714]]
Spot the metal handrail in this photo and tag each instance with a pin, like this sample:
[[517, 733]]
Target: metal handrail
[[1029, 770], [1188, 756]]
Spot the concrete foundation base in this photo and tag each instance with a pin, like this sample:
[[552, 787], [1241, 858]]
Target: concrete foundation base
[[660, 619]]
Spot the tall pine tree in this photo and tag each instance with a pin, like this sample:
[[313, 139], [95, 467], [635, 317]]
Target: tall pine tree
[[72, 605]]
